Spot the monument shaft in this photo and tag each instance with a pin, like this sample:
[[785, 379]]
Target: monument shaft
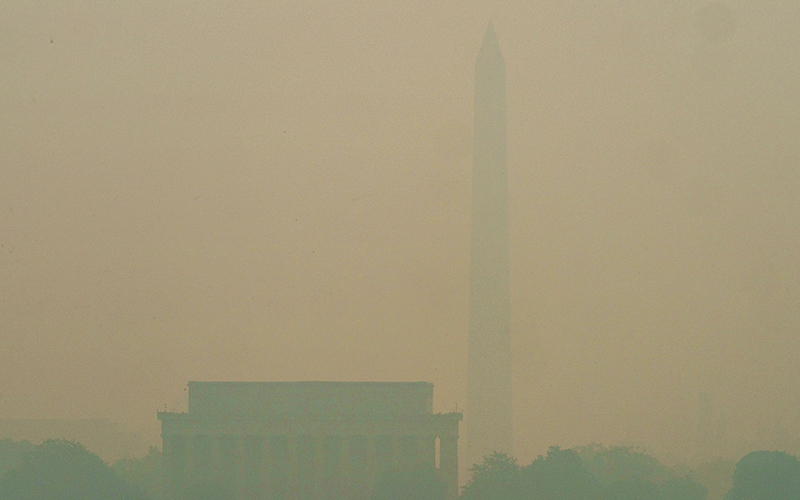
[[488, 418]]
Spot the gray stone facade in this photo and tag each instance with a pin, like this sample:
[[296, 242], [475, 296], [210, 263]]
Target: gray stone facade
[[306, 440]]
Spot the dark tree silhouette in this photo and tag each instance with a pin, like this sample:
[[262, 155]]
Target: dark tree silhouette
[[640, 489], [684, 488], [630, 474], [146, 472], [560, 475], [65, 470], [617, 463], [11, 453], [766, 475], [633, 489], [716, 475], [493, 479], [590, 473]]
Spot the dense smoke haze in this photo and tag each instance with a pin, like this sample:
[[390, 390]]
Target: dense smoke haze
[[280, 190]]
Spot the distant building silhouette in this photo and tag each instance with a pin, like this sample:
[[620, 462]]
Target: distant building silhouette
[[489, 421], [306, 440], [705, 423], [712, 433]]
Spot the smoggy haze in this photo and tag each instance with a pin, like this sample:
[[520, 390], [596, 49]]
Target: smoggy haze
[[280, 190]]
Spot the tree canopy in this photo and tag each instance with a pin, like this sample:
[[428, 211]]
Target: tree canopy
[[145, 472], [766, 475], [619, 463], [560, 475], [11, 453], [65, 470], [589, 473], [492, 479]]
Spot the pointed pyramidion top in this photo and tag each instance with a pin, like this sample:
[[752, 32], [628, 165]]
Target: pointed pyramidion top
[[490, 44], [490, 36]]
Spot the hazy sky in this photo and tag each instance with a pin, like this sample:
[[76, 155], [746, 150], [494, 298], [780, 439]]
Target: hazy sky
[[280, 190]]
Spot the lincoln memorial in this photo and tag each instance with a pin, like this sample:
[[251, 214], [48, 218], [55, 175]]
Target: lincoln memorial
[[306, 440]]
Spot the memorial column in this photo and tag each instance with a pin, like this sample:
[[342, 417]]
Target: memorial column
[[292, 472], [346, 464], [448, 463]]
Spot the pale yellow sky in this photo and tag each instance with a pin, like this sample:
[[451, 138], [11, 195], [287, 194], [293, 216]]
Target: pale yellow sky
[[280, 190]]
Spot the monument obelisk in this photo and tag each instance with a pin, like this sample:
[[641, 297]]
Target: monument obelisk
[[488, 414]]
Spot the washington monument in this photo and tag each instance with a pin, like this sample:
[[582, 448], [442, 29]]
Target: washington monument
[[488, 416]]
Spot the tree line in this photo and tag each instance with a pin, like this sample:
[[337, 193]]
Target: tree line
[[65, 470]]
